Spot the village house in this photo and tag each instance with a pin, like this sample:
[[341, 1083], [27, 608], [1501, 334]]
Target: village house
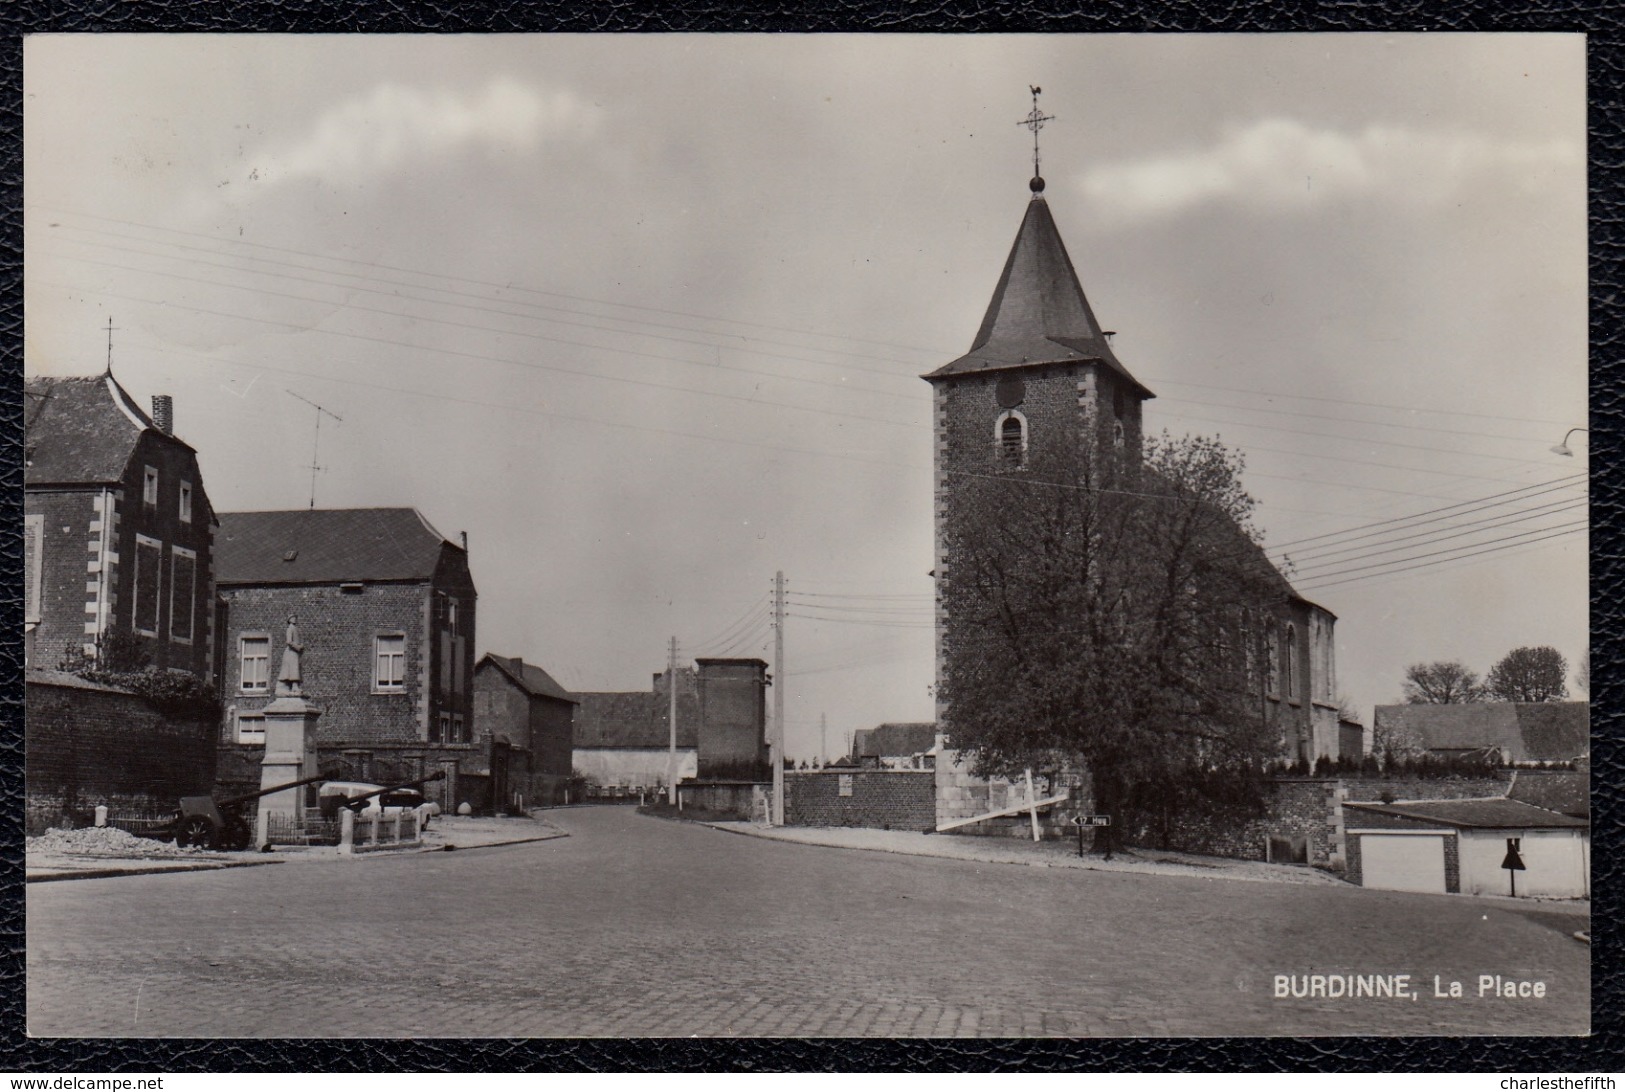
[[386, 608], [118, 572], [896, 747], [1497, 732], [523, 718], [117, 528]]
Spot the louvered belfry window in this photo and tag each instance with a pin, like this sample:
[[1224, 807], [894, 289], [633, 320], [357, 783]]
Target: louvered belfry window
[[1011, 440]]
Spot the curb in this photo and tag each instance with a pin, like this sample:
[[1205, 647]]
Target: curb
[[981, 860], [109, 873]]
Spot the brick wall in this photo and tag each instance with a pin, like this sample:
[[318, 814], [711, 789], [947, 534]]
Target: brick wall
[[338, 629], [885, 799], [67, 567], [90, 744], [740, 799], [733, 717]]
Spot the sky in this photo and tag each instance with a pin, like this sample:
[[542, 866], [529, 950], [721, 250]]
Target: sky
[[646, 315]]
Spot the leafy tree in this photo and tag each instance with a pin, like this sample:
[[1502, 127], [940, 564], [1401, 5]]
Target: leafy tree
[[1443, 682], [1113, 616], [1529, 674]]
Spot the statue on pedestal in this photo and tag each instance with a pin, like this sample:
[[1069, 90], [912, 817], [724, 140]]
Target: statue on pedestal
[[287, 679]]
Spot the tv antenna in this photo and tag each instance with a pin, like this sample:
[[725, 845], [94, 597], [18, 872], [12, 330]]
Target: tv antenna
[[316, 445]]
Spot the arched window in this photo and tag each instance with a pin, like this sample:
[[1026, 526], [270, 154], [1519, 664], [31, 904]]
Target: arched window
[[1010, 437], [1291, 662]]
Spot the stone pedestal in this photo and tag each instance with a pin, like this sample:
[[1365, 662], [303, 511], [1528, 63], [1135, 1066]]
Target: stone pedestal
[[290, 755]]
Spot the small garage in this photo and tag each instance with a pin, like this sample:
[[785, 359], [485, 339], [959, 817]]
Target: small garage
[[1494, 846]]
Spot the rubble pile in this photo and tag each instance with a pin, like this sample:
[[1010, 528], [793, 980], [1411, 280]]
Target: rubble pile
[[104, 841]]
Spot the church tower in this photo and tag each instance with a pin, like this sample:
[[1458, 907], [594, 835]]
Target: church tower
[[1040, 377]]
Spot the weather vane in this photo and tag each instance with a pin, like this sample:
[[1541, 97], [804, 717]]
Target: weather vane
[[1035, 121]]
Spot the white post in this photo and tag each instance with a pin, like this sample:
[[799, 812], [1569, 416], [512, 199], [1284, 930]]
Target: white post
[[346, 830], [101, 815], [1032, 803]]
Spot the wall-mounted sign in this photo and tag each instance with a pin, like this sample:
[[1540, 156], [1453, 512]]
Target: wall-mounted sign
[[846, 784]]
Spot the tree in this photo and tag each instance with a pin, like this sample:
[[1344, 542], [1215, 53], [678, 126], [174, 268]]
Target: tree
[[1582, 673], [1443, 682], [1529, 674], [1113, 616]]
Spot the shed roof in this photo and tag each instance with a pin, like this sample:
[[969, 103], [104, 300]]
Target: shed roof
[[81, 430], [1564, 791], [1494, 813], [898, 740], [1038, 314], [527, 676], [326, 546]]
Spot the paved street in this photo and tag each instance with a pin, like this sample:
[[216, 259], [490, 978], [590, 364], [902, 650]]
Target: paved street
[[640, 926]]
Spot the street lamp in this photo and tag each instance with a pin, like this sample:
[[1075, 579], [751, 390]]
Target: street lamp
[[1563, 448]]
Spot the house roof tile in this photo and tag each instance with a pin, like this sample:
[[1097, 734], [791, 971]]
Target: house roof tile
[[326, 546], [898, 740], [81, 430], [528, 677], [1523, 731], [637, 719]]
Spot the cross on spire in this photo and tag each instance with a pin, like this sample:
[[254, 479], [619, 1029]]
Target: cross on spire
[[110, 344], [1035, 121]]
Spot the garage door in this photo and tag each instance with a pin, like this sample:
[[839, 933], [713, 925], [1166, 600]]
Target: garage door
[[1402, 862]]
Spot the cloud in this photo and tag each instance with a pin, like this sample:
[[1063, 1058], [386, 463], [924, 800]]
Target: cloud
[[1279, 164], [396, 124]]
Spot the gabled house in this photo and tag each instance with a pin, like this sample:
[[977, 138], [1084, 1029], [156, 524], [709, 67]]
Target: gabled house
[[896, 746], [117, 528], [522, 718], [386, 609], [1496, 731]]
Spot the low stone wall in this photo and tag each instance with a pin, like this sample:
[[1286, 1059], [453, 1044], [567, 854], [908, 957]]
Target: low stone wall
[[739, 799], [882, 799], [89, 744]]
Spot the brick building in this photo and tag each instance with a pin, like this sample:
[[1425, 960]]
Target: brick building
[[118, 530], [1041, 380], [523, 717], [386, 610]]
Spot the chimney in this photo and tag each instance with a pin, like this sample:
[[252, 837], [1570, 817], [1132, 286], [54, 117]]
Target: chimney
[[163, 413], [519, 664], [464, 536]]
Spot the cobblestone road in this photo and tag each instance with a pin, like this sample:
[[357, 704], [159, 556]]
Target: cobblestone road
[[640, 926]]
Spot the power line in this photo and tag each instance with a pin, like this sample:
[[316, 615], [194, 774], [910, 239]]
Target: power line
[[1474, 527]]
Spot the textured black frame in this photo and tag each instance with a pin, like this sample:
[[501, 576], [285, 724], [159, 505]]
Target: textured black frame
[[1604, 1051]]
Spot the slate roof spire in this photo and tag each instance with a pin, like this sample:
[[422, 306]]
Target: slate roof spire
[[1038, 314]]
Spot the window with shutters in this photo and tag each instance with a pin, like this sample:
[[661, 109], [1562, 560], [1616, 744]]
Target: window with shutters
[[149, 563], [33, 565], [182, 593]]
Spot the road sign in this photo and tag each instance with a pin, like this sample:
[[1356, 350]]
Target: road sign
[[1093, 820], [1513, 861]]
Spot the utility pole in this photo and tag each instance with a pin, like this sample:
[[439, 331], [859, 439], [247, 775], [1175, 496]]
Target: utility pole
[[777, 750], [823, 740], [671, 721]]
